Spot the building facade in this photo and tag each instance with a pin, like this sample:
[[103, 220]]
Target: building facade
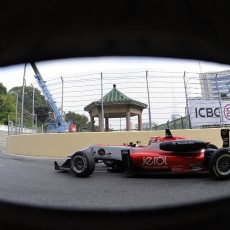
[[215, 85]]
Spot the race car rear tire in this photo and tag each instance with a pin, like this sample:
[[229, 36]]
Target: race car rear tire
[[219, 165], [82, 164]]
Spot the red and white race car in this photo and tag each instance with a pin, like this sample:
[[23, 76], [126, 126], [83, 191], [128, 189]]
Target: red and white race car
[[163, 154]]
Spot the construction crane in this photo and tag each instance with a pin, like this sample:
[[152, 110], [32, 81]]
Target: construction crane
[[59, 125]]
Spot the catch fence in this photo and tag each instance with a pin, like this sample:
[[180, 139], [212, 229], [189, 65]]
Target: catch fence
[[176, 100]]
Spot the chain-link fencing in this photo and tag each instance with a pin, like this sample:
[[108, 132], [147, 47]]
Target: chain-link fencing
[[136, 100]]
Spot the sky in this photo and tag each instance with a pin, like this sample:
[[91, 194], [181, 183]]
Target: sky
[[12, 76], [51, 71]]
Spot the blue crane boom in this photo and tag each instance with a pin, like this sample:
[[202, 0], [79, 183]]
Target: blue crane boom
[[60, 124]]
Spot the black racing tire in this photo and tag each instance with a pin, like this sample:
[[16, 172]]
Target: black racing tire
[[82, 164], [219, 164], [109, 163]]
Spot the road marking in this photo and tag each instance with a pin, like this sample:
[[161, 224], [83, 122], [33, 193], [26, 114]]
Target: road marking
[[35, 157]]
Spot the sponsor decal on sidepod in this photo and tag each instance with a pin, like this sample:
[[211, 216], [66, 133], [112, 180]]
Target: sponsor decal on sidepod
[[155, 162]]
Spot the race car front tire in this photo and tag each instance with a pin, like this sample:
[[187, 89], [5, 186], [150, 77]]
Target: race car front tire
[[82, 164], [219, 164]]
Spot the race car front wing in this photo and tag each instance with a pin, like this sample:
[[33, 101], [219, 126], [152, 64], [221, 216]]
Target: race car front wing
[[64, 167]]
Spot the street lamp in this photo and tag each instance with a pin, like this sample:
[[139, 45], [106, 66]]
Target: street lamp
[[33, 107], [219, 98], [23, 92], [186, 82], [150, 119], [62, 115]]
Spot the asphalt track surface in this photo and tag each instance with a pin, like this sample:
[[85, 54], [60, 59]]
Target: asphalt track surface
[[34, 181]]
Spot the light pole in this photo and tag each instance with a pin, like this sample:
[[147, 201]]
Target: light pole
[[102, 107], [36, 122], [219, 98], [62, 115], [33, 108], [150, 119], [23, 91], [187, 98]]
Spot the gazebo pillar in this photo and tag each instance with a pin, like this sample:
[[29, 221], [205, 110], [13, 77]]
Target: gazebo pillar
[[107, 124], [92, 123], [139, 122], [128, 120]]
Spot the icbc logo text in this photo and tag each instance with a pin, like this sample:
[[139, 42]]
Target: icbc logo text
[[207, 112], [227, 111]]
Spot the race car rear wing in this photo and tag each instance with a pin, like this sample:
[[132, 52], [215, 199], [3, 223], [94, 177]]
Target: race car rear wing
[[225, 137]]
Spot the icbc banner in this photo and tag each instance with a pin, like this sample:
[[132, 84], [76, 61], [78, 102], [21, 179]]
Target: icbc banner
[[227, 111], [208, 112]]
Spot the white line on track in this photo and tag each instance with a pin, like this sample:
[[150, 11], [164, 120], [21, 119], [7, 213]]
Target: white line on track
[[35, 157]]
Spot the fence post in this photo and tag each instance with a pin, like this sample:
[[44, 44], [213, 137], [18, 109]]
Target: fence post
[[102, 106], [219, 98], [62, 115], [33, 90], [23, 92], [150, 119], [182, 122], [186, 97]]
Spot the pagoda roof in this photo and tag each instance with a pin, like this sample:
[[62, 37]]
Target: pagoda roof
[[115, 97]]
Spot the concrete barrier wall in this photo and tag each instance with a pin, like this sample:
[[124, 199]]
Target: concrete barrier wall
[[60, 145], [3, 135]]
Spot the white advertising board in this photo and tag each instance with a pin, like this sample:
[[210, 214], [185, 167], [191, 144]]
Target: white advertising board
[[208, 112]]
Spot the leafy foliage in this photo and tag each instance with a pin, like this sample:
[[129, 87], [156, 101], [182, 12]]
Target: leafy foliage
[[39, 102], [3, 89], [81, 121], [7, 108], [12, 100], [42, 114]]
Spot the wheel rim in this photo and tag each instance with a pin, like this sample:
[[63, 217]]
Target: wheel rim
[[79, 164], [223, 165]]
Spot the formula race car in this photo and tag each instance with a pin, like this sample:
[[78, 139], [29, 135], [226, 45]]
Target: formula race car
[[163, 154]]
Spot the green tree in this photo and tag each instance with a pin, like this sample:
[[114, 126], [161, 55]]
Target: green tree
[[39, 102], [81, 121], [3, 89], [39, 99], [7, 108]]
